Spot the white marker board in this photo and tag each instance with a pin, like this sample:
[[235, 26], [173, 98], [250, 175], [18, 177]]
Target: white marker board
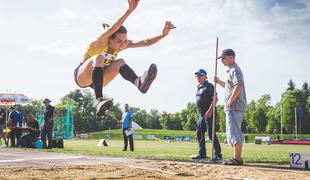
[[300, 160]]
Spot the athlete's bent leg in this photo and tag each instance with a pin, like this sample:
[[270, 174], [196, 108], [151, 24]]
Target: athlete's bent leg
[[112, 70], [143, 82], [102, 105]]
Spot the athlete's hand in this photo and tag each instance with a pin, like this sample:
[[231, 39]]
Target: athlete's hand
[[167, 28], [133, 4]]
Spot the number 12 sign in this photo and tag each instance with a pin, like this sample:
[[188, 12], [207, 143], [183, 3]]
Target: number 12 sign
[[300, 161]]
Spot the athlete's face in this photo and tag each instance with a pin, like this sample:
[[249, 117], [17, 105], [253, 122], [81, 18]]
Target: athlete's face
[[119, 42]]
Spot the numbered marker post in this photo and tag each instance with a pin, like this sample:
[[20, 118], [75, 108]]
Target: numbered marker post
[[300, 160]]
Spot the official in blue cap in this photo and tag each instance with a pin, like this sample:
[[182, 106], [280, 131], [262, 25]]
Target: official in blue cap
[[201, 72], [204, 102], [236, 104]]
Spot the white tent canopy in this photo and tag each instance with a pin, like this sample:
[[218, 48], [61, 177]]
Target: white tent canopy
[[10, 98], [136, 126]]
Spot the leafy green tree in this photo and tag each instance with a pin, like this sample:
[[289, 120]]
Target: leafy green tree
[[307, 118], [302, 96], [164, 119], [85, 119], [139, 116], [175, 123], [250, 116], [76, 95], [263, 106], [289, 103], [221, 118], [255, 118], [189, 117], [152, 120], [308, 104], [88, 120], [274, 119], [292, 99], [306, 88], [291, 85], [170, 121], [111, 119], [244, 125]]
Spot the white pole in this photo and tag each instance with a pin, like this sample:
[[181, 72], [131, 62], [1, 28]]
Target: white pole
[[281, 115], [299, 124], [296, 122]]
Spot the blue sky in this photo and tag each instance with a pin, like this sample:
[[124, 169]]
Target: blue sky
[[42, 41]]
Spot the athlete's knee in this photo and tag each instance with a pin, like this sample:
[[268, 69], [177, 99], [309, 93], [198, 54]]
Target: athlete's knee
[[99, 61], [99, 57], [121, 62]]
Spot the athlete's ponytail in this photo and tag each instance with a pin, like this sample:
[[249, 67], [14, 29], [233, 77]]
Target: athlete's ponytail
[[105, 25]]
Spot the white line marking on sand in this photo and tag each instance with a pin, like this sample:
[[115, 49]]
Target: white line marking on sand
[[41, 158]]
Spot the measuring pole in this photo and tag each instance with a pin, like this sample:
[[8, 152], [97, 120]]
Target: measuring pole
[[214, 98]]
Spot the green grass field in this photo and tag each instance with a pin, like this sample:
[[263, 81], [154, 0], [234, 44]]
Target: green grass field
[[117, 134], [176, 150], [181, 150]]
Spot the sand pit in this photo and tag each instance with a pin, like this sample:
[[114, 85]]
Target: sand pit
[[16, 164]]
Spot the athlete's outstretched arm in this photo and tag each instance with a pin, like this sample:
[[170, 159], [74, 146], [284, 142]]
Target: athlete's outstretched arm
[[132, 6], [151, 41]]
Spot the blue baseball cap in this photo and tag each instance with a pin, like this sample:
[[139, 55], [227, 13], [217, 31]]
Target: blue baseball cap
[[201, 72], [227, 52]]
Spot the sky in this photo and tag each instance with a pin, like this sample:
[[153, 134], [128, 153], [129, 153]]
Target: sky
[[43, 41]]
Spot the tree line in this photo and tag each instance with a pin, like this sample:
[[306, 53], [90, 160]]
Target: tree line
[[260, 117]]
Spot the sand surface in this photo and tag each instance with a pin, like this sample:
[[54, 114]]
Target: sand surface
[[18, 164]]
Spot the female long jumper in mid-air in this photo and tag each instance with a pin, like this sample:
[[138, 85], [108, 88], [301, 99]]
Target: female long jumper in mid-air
[[100, 64]]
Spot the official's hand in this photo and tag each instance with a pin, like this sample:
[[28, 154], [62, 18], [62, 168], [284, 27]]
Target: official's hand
[[216, 79], [133, 4], [229, 103], [167, 28], [208, 114]]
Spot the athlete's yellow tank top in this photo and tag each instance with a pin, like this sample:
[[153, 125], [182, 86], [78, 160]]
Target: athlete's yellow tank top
[[109, 57]]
